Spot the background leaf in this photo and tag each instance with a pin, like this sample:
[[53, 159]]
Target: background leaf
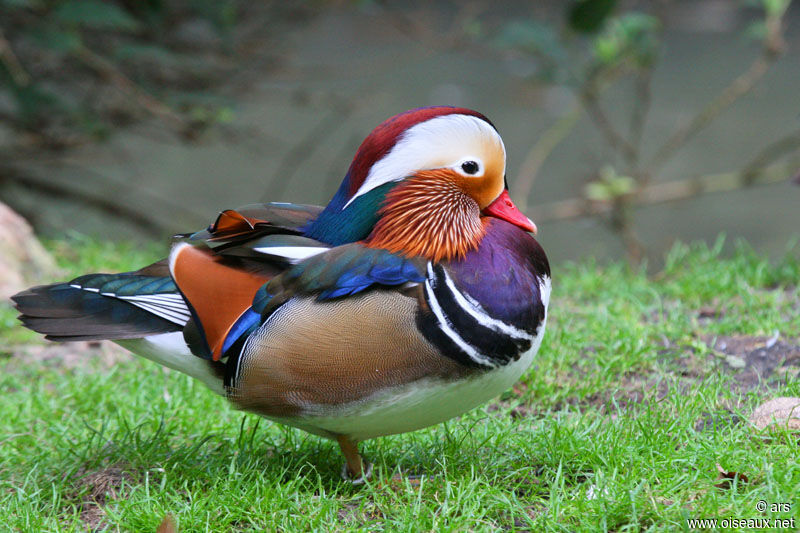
[[57, 39], [588, 16], [18, 4], [95, 14]]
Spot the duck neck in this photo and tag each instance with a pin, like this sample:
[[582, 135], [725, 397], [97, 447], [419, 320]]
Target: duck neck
[[341, 223]]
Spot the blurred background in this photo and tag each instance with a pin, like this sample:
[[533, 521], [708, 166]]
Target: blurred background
[[628, 125]]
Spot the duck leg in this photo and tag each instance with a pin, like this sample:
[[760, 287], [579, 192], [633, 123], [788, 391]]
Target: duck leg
[[355, 470]]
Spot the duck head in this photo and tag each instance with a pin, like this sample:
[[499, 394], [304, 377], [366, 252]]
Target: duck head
[[422, 183]]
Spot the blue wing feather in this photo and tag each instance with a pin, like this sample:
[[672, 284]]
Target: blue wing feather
[[339, 272], [244, 325], [363, 269]]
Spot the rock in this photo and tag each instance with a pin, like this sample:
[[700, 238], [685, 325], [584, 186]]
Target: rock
[[778, 412], [23, 261]]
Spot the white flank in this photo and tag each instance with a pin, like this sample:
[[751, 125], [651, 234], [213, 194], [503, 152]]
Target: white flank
[[170, 350], [294, 254], [441, 142]]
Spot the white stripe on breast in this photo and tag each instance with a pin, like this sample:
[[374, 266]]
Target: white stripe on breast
[[447, 327], [474, 309]]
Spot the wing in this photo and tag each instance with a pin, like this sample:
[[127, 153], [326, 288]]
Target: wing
[[229, 302], [258, 240], [242, 250], [263, 232], [338, 272], [244, 266], [310, 354]]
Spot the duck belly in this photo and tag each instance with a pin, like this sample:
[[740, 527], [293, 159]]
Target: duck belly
[[412, 406]]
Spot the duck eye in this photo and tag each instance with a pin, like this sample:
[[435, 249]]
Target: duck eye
[[470, 167]]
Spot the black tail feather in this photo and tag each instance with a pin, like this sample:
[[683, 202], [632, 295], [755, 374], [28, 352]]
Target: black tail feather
[[65, 313]]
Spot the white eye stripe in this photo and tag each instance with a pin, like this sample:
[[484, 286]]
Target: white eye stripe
[[424, 145]]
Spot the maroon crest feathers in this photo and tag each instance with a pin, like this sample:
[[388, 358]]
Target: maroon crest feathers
[[383, 138]]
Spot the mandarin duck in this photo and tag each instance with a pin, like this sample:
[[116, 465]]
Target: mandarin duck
[[415, 295]]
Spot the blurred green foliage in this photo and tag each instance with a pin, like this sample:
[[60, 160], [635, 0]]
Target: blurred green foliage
[[593, 47], [632, 35], [609, 186], [75, 69], [588, 16], [592, 35]]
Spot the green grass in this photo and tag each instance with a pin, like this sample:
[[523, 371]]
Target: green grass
[[618, 426]]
